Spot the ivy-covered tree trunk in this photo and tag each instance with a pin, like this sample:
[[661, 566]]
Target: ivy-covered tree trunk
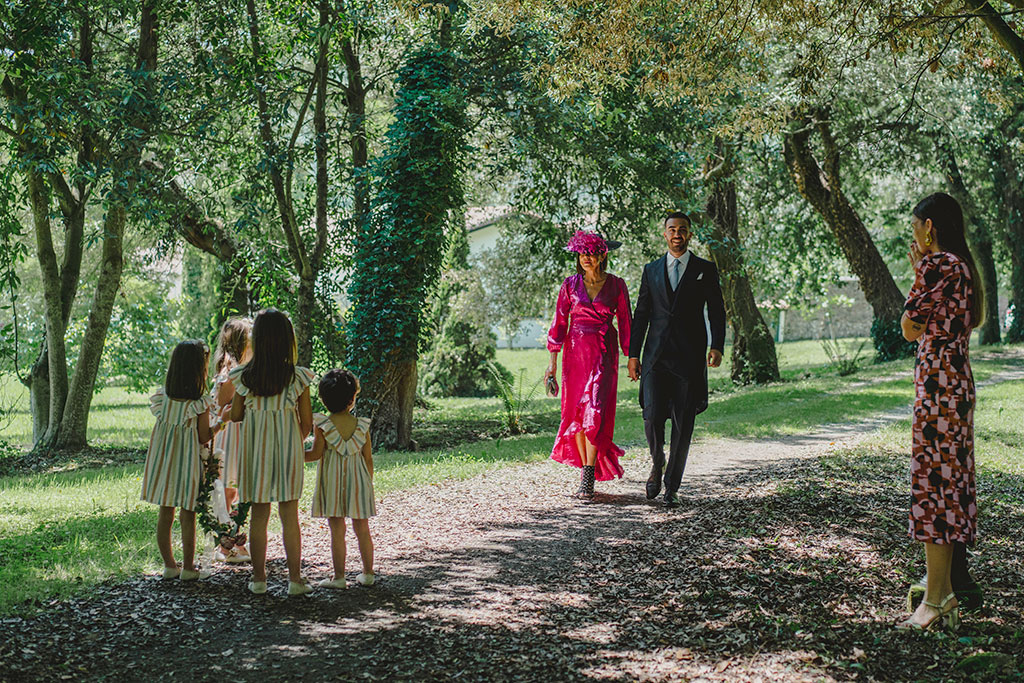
[[979, 236], [821, 186], [399, 251], [753, 348]]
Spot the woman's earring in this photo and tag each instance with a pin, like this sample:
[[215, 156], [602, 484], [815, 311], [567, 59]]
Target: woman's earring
[[928, 239]]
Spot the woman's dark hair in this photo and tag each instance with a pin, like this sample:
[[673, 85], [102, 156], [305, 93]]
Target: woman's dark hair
[[948, 220], [231, 342], [186, 373], [272, 366], [337, 389], [603, 267]]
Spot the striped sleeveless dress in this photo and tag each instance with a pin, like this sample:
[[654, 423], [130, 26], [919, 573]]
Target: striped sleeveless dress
[[270, 464], [344, 487], [227, 443], [174, 467]]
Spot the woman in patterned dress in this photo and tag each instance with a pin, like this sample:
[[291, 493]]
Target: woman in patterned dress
[[944, 305], [272, 402], [344, 481], [589, 303], [174, 461]]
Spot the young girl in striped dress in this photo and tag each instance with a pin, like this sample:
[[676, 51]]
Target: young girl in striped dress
[[272, 403], [174, 461], [344, 482], [233, 348]]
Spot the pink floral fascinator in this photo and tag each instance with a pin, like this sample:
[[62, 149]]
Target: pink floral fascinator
[[584, 242]]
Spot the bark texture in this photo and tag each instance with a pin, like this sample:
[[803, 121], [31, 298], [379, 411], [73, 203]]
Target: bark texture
[[753, 347], [979, 236], [821, 186], [1009, 178]]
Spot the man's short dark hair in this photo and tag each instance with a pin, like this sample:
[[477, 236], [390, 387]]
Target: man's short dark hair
[[677, 214], [337, 389]]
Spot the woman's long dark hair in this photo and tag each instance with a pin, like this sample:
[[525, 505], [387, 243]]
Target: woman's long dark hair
[[273, 354], [232, 341], [186, 373], [948, 220]]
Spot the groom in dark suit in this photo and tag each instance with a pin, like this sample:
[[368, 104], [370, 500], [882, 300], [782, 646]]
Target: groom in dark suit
[[668, 326]]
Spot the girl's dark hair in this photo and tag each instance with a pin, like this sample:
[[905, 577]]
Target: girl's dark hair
[[186, 373], [603, 267], [231, 342], [337, 389], [948, 220], [272, 366]]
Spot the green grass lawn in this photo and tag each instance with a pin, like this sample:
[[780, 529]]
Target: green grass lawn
[[61, 531], [120, 419]]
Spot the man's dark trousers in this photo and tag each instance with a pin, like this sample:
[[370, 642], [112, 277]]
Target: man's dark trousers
[[670, 393]]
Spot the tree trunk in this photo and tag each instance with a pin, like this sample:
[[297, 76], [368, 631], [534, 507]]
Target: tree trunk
[[53, 312], [125, 174], [1003, 32], [753, 349], [821, 186], [389, 401], [76, 415], [979, 235], [1009, 179], [307, 308], [38, 382], [188, 218], [391, 285], [355, 102], [279, 164]]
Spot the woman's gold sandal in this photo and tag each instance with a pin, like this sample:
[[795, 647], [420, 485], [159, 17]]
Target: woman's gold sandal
[[948, 618]]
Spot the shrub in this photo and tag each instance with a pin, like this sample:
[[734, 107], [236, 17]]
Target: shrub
[[456, 363], [887, 336]]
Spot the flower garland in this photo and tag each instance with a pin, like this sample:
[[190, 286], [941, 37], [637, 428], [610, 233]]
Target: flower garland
[[228, 534]]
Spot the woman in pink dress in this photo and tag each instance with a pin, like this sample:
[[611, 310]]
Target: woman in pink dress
[[589, 302]]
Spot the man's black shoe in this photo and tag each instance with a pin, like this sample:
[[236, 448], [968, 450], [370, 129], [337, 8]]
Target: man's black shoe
[[654, 483], [671, 500]]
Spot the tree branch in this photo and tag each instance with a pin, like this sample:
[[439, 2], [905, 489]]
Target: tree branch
[[1000, 30]]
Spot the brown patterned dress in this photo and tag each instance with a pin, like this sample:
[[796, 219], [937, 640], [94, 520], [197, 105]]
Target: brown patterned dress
[[942, 499]]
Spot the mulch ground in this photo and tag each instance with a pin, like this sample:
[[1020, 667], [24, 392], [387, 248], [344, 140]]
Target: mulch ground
[[788, 570]]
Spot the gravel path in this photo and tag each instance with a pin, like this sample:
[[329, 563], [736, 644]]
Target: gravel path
[[500, 577]]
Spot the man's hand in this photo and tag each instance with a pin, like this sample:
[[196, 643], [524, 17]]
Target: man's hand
[[633, 367], [714, 358]]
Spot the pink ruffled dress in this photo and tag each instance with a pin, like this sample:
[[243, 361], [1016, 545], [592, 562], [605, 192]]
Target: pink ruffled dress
[[584, 331]]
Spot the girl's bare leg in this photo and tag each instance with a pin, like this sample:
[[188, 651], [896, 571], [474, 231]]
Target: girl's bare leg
[[338, 548], [362, 529], [288, 511], [188, 539], [259, 515], [163, 535]]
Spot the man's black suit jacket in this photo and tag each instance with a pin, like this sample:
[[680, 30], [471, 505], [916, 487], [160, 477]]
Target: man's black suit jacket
[[669, 326]]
